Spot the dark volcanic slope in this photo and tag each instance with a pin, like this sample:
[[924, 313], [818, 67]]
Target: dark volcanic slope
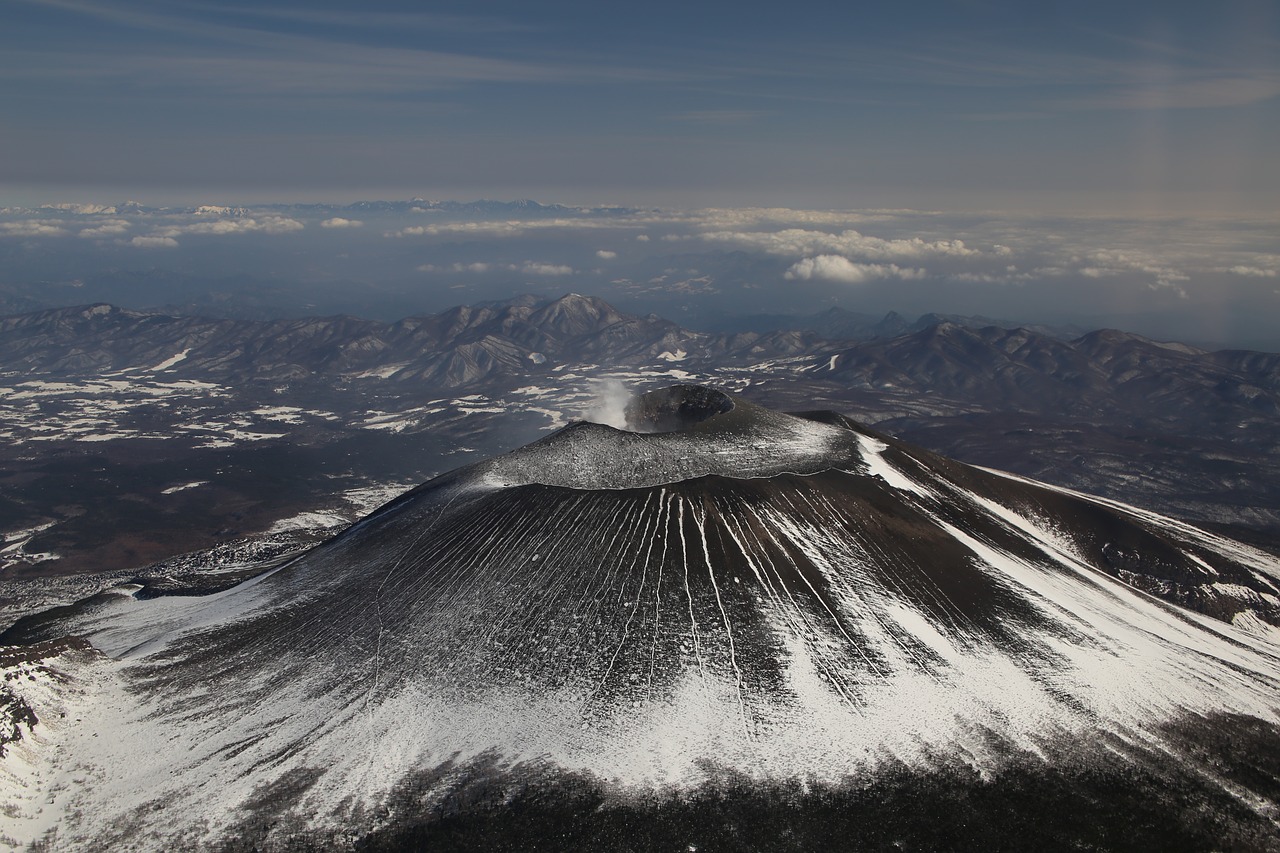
[[608, 627]]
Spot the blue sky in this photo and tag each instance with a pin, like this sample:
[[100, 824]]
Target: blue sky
[[1082, 106]]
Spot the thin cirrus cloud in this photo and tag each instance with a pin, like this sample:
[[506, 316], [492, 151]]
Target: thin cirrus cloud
[[1150, 75], [717, 116], [235, 57], [1176, 94], [842, 103], [421, 23]]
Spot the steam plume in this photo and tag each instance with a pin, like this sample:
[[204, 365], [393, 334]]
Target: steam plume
[[609, 404]]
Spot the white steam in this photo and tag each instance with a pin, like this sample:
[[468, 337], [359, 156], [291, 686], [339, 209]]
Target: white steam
[[608, 404]]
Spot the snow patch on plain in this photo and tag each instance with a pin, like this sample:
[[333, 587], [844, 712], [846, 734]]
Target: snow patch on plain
[[172, 490], [171, 361]]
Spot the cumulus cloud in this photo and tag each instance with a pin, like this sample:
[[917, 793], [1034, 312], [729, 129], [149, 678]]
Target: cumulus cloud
[[109, 228], [154, 242], [642, 238], [339, 222], [841, 269], [606, 255], [33, 228]]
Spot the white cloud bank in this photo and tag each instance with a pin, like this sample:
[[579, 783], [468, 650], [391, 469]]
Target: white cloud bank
[[1107, 263], [841, 269], [528, 268], [33, 228], [110, 228], [519, 227], [339, 222], [264, 225], [534, 268], [850, 243], [1254, 272]]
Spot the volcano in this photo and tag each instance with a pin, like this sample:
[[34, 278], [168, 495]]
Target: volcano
[[722, 627]]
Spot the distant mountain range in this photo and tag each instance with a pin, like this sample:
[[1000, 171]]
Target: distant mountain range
[[455, 348], [481, 207], [839, 323], [1020, 369], [996, 368]]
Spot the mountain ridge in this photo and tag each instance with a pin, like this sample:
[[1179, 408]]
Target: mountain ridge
[[456, 346], [32, 340]]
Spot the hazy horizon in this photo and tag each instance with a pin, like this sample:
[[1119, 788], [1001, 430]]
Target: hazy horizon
[[1211, 281], [1103, 164], [1102, 107]]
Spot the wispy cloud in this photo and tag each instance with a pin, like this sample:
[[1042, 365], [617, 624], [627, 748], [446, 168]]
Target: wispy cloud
[[232, 57], [1176, 94], [310, 71], [717, 116], [1090, 75], [370, 19]]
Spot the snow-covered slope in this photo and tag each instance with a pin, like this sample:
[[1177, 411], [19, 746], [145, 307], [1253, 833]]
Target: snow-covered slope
[[742, 594]]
